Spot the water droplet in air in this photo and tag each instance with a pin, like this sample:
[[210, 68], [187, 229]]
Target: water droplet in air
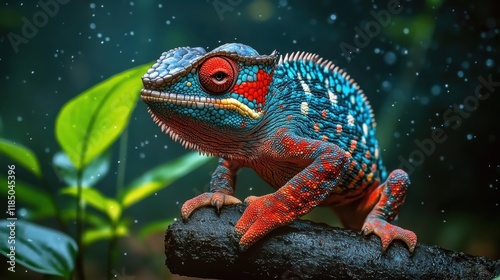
[[390, 58], [332, 18], [489, 62], [435, 90]]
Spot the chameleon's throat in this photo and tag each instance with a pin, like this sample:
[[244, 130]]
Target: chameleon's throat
[[197, 102], [201, 139]]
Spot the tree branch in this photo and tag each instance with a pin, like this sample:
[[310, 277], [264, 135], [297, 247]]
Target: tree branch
[[206, 246]]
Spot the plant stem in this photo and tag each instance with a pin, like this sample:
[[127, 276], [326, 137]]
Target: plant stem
[[79, 226], [122, 157], [111, 258]]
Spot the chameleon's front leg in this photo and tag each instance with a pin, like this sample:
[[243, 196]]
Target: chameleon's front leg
[[299, 195], [221, 192]]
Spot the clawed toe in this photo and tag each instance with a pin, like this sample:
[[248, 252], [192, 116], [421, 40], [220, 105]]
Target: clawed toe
[[388, 233], [216, 200]]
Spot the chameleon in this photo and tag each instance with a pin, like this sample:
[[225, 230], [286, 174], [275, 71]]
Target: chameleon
[[299, 121]]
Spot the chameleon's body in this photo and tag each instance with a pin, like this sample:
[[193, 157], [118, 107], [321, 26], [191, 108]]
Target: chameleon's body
[[300, 122]]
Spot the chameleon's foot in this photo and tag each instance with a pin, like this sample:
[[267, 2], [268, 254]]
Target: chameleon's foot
[[216, 199], [388, 233], [262, 215]]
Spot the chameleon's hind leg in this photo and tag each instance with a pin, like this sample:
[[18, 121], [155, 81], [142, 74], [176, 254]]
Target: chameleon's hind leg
[[392, 196]]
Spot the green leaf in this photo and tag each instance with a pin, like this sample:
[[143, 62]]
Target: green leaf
[[21, 155], [89, 123], [38, 248], [93, 173], [104, 232], [154, 227], [91, 218], [97, 200], [160, 177], [39, 201]]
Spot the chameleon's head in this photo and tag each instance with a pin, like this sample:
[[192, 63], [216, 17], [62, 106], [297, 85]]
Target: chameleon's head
[[199, 97]]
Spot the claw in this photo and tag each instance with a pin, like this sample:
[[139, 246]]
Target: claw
[[205, 199], [218, 205], [388, 233], [262, 215]]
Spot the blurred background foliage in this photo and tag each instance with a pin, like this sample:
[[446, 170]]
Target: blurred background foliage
[[427, 59]]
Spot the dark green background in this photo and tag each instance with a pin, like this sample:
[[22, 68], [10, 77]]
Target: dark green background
[[413, 70]]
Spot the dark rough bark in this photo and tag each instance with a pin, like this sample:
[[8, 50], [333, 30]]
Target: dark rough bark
[[206, 246]]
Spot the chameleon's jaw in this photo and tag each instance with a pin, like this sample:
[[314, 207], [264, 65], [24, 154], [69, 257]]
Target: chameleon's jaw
[[199, 103], [191, 133]]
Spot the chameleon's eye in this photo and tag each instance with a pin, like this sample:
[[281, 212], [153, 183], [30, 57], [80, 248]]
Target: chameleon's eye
[[217, 74]]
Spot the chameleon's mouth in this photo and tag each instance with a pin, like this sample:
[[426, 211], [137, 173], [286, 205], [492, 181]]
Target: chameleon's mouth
[[199, 103]]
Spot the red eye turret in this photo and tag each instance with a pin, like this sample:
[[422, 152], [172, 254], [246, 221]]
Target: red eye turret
[[217, 74]]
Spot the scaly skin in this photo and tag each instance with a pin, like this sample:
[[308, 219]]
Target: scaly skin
[[300, 122]]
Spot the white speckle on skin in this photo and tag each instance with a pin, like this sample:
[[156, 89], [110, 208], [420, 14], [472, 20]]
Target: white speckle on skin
[[304, 108], [332, 96], [353, 99], [305, 86], [350, 120], [365, 129]]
